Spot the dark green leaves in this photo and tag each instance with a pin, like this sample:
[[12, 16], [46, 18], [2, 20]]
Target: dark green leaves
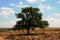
[[31, 18]]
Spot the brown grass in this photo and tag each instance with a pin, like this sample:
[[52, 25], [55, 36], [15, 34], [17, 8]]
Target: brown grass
[[40, 34]]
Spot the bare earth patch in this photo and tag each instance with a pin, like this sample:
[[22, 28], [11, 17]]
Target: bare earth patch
[[1, 38]]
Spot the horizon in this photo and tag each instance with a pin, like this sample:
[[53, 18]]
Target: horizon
[[49, 9]]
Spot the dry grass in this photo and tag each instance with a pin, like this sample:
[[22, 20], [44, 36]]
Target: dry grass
[[45, 34]]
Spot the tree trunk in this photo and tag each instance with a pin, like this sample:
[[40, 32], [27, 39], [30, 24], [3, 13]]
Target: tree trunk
[[28, 30]]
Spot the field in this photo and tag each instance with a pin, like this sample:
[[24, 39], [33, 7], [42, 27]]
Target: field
[[36, 34]]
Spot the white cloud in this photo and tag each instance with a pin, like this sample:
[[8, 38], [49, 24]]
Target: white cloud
[[54, 23], [41, 7], [58, 1], [42, 0], [21, 3], [31, 1], [5, 11], [22, 6], [7, 24], [48, 7], [36, 1], [56, 14], [26, 5], [11, 4], [44, 7], [54, 20], [13, 22]]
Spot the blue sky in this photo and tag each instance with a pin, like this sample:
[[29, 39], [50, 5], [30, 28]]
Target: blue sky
[[49, 8]]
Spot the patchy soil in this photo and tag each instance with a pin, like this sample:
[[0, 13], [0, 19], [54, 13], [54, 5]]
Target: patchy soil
[[1, 38]]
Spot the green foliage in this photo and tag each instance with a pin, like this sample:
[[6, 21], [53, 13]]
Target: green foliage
[[31, 18]]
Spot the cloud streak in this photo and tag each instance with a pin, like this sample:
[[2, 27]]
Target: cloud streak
[[9, 24], [11, 4], [55, 23], [44, 7], [31, 1], [58, 1], [5, 11], [56, 14]]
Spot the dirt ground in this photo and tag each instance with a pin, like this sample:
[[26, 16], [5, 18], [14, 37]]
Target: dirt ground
[[1, 38]]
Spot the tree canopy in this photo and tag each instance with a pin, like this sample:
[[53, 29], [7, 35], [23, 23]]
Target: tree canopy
[[30, 18]]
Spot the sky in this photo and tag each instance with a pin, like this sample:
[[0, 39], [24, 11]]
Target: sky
[[49, 8]]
